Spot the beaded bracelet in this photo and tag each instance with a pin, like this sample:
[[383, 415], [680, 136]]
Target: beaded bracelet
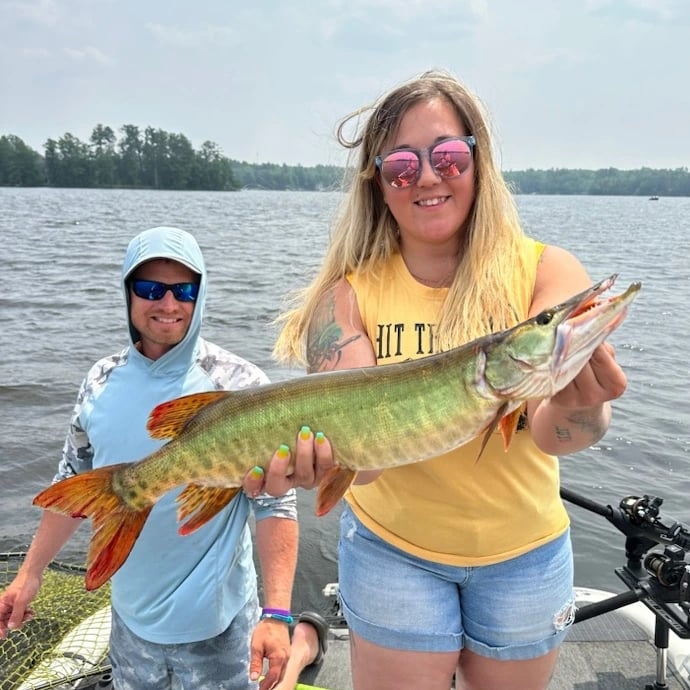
[[278, 614]]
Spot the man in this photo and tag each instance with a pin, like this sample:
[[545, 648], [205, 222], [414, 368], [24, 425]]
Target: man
[[183, 607]]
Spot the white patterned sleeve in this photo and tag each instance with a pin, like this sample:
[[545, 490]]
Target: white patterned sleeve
[[77, 453]]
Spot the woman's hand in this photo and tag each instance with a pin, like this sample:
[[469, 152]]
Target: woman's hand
[[579, 415], [600, 380], [313, 457]]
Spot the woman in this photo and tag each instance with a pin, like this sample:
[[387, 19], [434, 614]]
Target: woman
[[449, 566]]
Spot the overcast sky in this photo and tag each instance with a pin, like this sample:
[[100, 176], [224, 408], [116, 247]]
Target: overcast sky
[[569, 83]]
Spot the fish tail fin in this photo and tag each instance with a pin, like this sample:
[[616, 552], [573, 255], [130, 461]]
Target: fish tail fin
[[332, 488], [116, 525]]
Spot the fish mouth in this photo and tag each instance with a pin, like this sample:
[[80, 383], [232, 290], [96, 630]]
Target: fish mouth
[[587, 322]]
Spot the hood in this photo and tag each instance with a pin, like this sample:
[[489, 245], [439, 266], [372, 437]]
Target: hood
[[179, 245]]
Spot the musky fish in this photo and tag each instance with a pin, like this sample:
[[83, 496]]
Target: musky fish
[[375, 418]]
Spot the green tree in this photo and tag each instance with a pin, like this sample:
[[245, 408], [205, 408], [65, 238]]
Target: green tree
[[104, 158], [75, 161], [212, 169], [180, 163], [154, 157], [130, 163], [53, 164], [20, 165]]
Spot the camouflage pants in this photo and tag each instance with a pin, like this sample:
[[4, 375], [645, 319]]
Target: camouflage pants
[[221, 663]]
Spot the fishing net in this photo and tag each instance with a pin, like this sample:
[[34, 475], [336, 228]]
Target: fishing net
[[66, 643]]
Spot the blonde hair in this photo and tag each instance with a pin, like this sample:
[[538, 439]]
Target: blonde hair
[[481, 297]]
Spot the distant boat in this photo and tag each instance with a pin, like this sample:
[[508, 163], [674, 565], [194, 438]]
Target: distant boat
[[654, 198]]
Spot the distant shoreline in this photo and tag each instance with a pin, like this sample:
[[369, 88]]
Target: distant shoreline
[[157, 160]]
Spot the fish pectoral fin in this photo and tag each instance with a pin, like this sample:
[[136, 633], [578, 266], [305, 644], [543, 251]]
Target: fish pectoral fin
[[332, 488], [508, 425], [116, 526], [493, 424], [200, 504], [168, 419], [505, 423]]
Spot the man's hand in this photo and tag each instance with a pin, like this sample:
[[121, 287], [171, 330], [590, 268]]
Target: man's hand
[[14, 604], [270, 641]]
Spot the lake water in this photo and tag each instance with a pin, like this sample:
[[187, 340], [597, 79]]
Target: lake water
[[61, 309]]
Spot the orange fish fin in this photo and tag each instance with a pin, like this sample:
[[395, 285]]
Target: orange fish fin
[[200, 504], [168, 419], [112, 543], [332, 488], [116, 526], [508, 425], [493, 425]]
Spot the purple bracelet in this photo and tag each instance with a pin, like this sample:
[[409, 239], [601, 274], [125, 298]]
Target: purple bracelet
[[278, 614]]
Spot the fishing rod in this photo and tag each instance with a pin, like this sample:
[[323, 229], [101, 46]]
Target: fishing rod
[[665, 575], [658, 579], [636, 517]]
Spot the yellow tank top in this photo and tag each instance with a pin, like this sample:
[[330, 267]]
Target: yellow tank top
[[453, 509]]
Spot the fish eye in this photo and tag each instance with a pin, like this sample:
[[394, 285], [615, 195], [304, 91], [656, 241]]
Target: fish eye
[[545, 318]]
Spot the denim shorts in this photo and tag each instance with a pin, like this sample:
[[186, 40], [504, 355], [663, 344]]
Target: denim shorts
[[220, 663], [521, 608]]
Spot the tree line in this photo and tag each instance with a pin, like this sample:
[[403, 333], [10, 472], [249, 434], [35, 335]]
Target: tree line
[[605, 182], [146, 159], [152, 158]]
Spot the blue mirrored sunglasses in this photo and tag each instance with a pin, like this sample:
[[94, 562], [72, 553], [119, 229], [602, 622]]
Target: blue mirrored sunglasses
[[448, 158], [155, 290]]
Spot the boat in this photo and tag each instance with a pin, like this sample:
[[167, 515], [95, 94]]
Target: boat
[[654, 198], [635, 640], [75, 657]]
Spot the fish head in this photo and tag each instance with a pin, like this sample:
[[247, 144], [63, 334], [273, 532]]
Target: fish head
[[540, 356]]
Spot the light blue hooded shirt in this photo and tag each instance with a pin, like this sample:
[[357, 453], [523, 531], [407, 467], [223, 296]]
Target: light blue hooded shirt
[[171, 589]]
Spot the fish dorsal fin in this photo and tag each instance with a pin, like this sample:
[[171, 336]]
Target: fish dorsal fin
[[167, 420]]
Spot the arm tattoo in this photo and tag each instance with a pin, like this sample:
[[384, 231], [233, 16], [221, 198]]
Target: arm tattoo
[[325, 339], [562, 434], [585, 423]]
